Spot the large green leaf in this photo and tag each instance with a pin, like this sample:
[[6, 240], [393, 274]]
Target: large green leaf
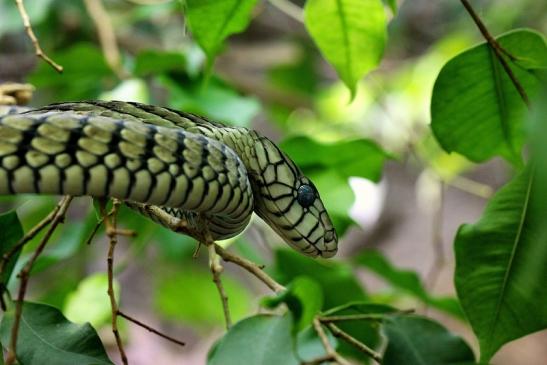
[[407, 281], [414, 340], [257, 340], [45, 334], [501, 298], [212, 21], [336, 279], [11, 232], [351, 34], [475, 109]]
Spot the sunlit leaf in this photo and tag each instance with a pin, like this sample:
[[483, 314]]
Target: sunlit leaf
[[45, 334], [475, 108], [414, 340], [212, 21], [351, 34], [500, 297]]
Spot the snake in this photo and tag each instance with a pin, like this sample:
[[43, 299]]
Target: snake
[[187, 165]]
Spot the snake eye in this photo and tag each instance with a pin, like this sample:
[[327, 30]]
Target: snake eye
[[305, 195]]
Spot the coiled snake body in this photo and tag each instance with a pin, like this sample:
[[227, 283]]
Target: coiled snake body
[[183, 163]]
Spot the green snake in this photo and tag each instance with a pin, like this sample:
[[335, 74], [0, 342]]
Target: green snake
[[187, 165]]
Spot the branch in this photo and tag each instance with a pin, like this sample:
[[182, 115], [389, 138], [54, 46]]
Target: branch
[[28, 27], [25, 273], [437, 241], [110, 223], [362, 317], [216, 270], [107, 36], [139, 323], [498, 51], [331, 352], [289, 9], [337, 332]]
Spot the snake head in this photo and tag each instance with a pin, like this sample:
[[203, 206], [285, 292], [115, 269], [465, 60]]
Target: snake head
[[289, 202]]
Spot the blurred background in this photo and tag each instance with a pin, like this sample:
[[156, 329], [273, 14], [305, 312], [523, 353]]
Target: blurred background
[[406, 202]]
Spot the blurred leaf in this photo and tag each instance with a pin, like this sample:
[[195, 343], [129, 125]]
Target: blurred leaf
[[501, 300], [406, 280], [214, 100], [212, 21], [128, 90], [154, 62], [45, 334], [257, 340], [89, 303], [205, 309], [414, 340], [475, 108], [336, 279], [299, 77], [11, 232], [359, 157], [351, 34], [304, 299], [366, 331], [10, 19], [84, 77]]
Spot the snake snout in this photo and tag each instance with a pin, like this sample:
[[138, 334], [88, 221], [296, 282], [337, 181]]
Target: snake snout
[[330, 244]]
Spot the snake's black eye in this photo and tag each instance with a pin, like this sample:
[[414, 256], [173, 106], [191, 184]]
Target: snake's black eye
[[305, 195]]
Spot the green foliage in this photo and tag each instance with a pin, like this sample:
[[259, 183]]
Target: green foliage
[[266, 340], [351, 34], [415, 340], [46, 334], [337, 281], [407, 281], [10, 234], [212, 21], [475, 108], [502, 301]]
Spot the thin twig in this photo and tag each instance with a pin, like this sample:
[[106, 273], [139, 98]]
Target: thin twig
[[251, 267], [337, 332], [139, 323], [319, 360], [25, 273], [107, 36], [28, 27], [290, 9], [112, 233], [216, 270], [498, 51], [437, 242], [471, 186], [362, 317], [331, 352]]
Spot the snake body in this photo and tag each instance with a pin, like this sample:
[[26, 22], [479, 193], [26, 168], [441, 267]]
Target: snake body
[[185, 164]]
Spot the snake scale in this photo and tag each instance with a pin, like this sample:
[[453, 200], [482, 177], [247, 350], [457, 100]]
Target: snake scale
[[183, 163]]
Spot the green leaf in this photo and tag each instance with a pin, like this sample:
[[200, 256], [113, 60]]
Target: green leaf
[[475, 109], [154, 62], [337, 280], [359, 157], [351, 34], [212, 21], [304, 299], [89, 302], [414, 340], [205, 309], [45, 334], [500, 297], [11, 232], [257, 340], [406, 280], [84, 77]]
